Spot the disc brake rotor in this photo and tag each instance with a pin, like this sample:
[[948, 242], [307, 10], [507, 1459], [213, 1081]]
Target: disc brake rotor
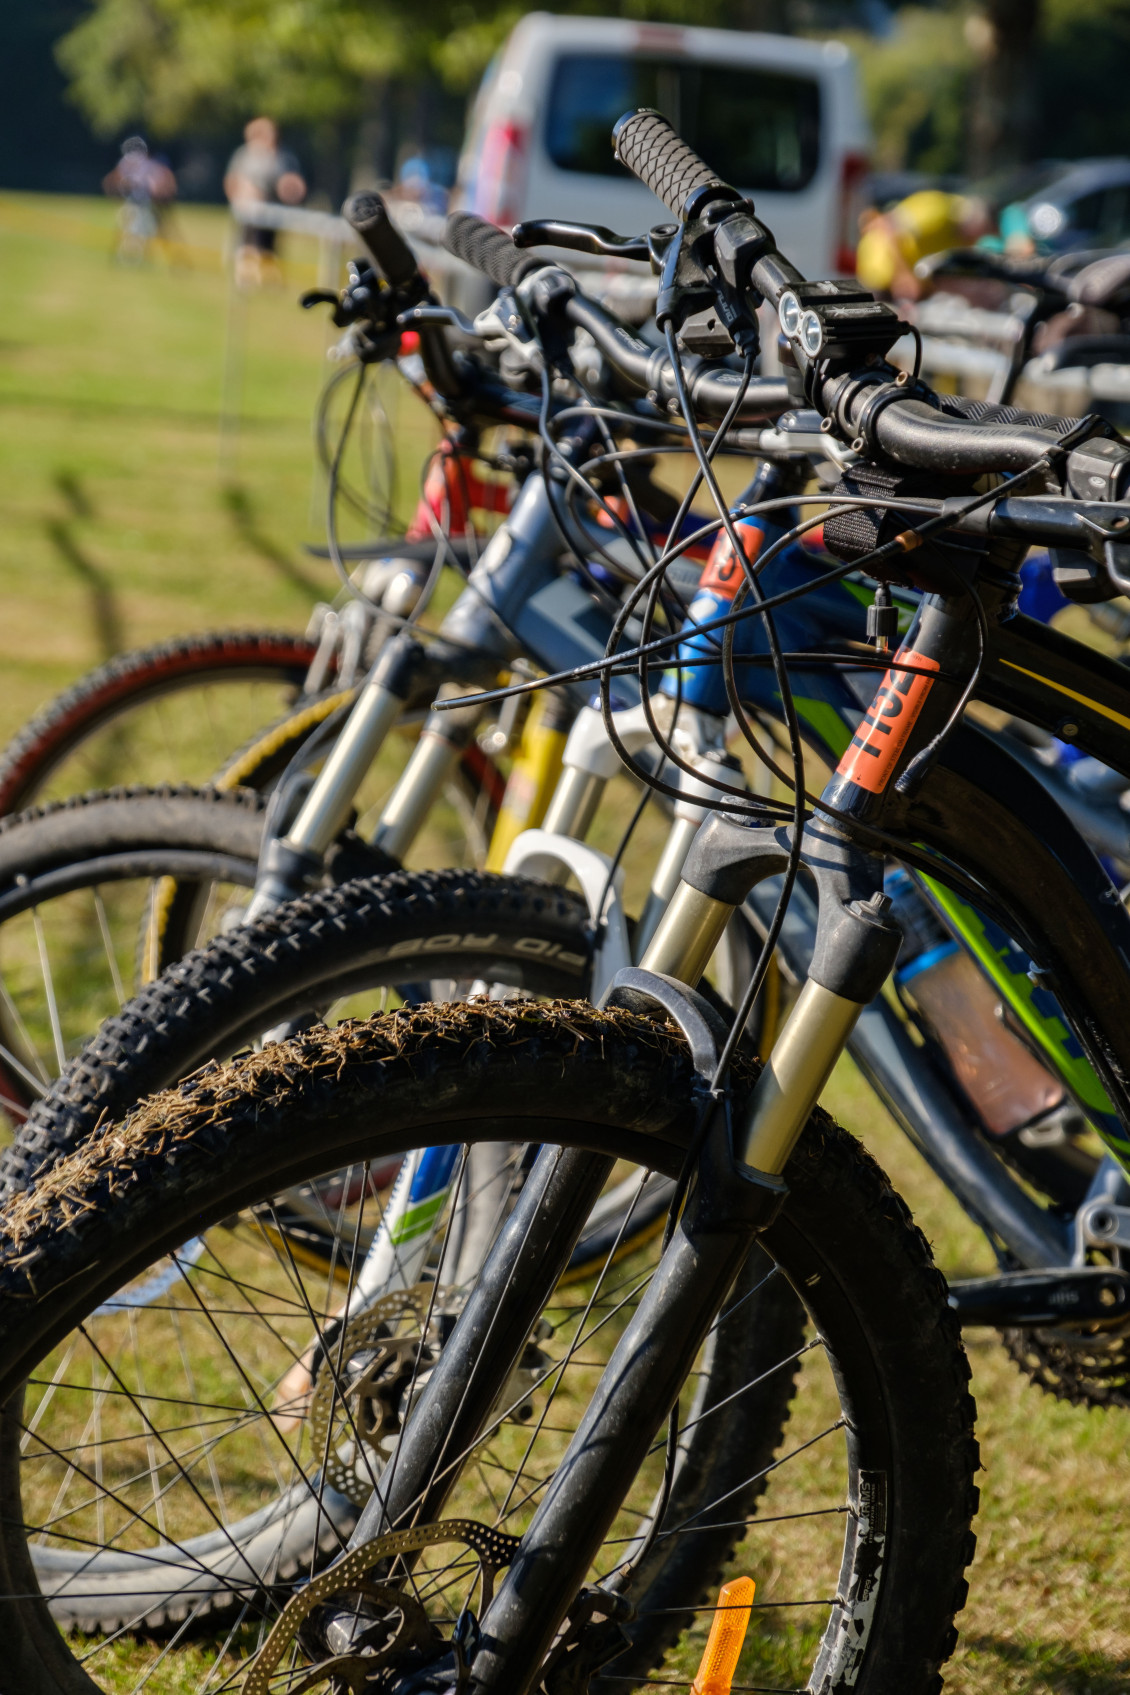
[[377, 1369], [409, 1627]]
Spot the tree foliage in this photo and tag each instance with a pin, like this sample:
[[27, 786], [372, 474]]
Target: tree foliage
[[1084, 73], [922, 81], [178, 64], [916, 84]]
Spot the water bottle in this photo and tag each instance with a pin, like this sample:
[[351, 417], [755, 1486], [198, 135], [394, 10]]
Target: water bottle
[[1006, 1083]]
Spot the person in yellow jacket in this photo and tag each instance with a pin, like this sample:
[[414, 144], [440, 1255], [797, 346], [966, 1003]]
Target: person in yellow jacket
[[930, 221]]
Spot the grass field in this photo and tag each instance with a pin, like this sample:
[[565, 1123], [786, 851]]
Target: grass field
[[122, 522]]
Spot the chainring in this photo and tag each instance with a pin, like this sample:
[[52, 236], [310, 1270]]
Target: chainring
[[1084, 1370], [349, 1575]]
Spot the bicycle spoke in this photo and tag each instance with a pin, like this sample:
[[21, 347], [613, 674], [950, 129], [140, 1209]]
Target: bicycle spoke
[[49, 990], [108, 945]]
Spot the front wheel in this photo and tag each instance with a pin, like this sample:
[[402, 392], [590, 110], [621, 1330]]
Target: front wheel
[[171, 713], [128, 1440]]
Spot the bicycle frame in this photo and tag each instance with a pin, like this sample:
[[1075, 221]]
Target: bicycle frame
[[829, 702], [739, 1180]]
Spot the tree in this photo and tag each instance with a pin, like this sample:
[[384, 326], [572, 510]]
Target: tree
[[1005, 101], [916, 84], [176, 64]]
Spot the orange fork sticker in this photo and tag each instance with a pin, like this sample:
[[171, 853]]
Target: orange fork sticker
[[727, 1635], [872, 754]]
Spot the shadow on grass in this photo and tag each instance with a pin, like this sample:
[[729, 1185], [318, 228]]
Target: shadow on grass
[[240, 507], [60, 532], [1059, 1668], [75, 497]]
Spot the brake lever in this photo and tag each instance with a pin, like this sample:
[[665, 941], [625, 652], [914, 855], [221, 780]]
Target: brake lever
[[317, 297], [490, 326], [445, 315], [581, 238]]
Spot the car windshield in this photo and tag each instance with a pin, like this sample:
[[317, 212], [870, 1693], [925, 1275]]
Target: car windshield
[[760, 128]]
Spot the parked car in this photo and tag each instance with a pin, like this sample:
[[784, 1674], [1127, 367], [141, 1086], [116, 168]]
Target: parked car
[[1085, 204], [778, 117]]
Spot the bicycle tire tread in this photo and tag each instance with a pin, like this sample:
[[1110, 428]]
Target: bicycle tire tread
[[187, 1142], [211, 986], [60, 725]]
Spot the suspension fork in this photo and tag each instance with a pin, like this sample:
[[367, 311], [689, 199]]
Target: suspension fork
[[536, 772], [738, 1184], [855, 943], [442, 744], [518, 1278], [515, 601], [289, 862]]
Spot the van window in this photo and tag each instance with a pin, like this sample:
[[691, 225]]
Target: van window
[[1115, 226], [1085, 215], [760, 129]]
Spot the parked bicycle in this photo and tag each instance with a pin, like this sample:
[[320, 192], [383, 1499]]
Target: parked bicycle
[[940, 797]]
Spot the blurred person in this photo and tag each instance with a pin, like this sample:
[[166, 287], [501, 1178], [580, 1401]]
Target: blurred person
[[261, 172], [416, 185], [1012, 235], [930, 221], [146, 188]]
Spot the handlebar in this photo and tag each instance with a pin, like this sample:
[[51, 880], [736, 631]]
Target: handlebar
[[647, 369], [654, 151], [488, 249], [395, 260], [978, 263], [643, 369], [839, 336], [368, 215]]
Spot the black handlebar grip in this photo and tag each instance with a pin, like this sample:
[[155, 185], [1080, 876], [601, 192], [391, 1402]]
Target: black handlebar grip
[[658, 155], [488, 249], [368, 215]]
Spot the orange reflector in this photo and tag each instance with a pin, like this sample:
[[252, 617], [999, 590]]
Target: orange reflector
[[727, 1634]]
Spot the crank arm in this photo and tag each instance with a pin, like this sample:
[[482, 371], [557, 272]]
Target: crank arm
[[1076, 1295]]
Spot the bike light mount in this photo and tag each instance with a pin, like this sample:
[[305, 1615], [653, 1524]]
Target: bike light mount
[[838, 322]]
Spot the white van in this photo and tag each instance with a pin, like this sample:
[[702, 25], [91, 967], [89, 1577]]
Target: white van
[[778, 117]]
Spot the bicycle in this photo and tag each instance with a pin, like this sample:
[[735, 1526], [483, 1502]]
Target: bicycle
[[907, 1081], [1069, 310], [956, 644]]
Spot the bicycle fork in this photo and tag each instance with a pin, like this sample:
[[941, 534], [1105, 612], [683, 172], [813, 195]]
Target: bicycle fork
[[735, 1192], [515, 601]]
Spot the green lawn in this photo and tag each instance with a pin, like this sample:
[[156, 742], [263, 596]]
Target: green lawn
[[120, 526], [119, 520]]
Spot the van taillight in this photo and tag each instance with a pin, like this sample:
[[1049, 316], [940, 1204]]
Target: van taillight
[[501, 174], [853, 175]]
